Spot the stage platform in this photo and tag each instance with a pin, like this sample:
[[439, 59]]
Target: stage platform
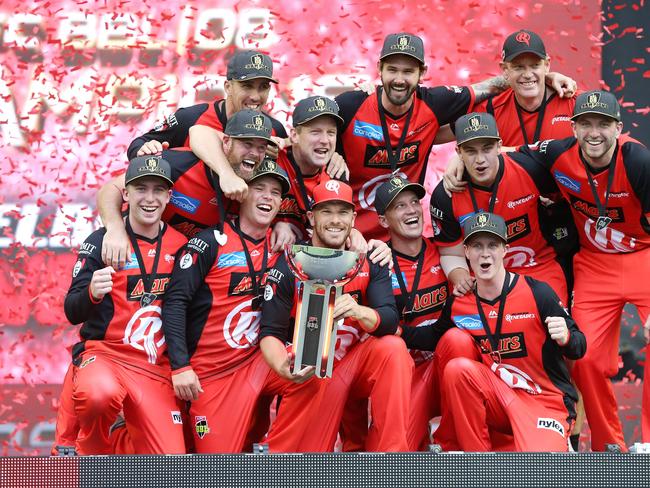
[[330, 470]]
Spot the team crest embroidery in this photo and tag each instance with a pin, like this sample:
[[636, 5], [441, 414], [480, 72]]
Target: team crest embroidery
[[319, 103], [523, 37], [201, 426], [333, 186], [403, 42], [257, 62], [593, 100], [482, 220]]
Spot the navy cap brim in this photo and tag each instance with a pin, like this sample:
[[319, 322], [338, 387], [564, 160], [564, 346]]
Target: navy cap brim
[[525, 51], [460, 143], [418, 189], [153, 175], [421, 61], [483, 231], [595, 112], [254, 76], [286, 185], [339, 119]]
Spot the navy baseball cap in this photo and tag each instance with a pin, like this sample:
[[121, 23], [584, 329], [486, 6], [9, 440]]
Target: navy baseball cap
[[485, 222], [403, 43], [312, 107], [268, 167], [476, 125], [249, 123], [388, 191], [248, 65], [523, 41], [148, 166], [597, 102]]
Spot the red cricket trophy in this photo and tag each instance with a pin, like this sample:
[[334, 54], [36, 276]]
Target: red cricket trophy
[[322, 273]]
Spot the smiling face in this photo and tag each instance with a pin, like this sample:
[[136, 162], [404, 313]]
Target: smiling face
[[244, 154], [526, 75], [147, 198], [597, 136], [252, 94], [332, 222], [314, 142], [262, 202], [403, 217], [400, 76], [481, 159], [485, 253]]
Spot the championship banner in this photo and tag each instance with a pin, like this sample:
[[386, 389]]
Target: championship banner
[[80, 80]]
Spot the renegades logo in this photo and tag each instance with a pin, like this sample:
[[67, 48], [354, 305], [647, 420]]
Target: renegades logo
[[517, 228], [377, 157], [510, 345], [591, 211], [523, 38]]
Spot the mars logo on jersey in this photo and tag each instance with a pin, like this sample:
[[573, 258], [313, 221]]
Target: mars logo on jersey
[[591, 211], [242, 326], [431, 299], [201, 426], [517, 228], [510, 345], [143, 332], [377, 156], [185, 226], [289, 206], [240, 284], [367, 192], [135, 286]]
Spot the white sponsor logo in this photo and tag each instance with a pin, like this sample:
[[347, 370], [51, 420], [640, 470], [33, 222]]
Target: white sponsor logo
[[77, 267], [186, 261], [550, 424], [622, 194], [143, 332], [151, 253], [519, 316], [435, 269], [367, 192], [493, 314], [560, 118], [268, 292], [333, 186], [176, 417], [255, 253], [242, 326], [514, 203]]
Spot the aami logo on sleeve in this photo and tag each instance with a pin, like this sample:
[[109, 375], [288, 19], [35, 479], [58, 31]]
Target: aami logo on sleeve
[[567, 181], [468, 322], [368, 131], [185, 203]]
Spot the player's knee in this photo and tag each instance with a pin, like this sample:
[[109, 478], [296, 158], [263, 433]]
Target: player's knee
[[455, 343], [391, 347], [458, 370], [95, 399]]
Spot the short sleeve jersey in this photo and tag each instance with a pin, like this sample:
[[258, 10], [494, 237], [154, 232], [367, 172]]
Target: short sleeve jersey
[[118, 325], [628, 204], [361, 142], [516, 131]]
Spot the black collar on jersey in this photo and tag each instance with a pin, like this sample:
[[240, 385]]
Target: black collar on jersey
[[300, 179], [540, 118], [220, 110], [213, 178], [493, 188], [494, 339], [256, 278], [393, 156], [409, 297], [603, 219], [147, 278]]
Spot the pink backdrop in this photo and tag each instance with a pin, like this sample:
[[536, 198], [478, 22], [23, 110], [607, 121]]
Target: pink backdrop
[[78, 83]]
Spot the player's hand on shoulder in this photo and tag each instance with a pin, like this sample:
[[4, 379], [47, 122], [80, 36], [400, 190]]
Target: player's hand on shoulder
[[152, 147], [380, 253], [186, 385], [272, 150], [558, 330], [232, 186], [462, 281], [116, 247], [281, 236], [337, 168], [102, 282], [565, 86], [452, 178]]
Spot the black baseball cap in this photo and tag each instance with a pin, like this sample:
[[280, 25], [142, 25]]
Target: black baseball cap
[[309, 108], [523, 41], [249, 123], [148, 166], [597, 102], [485, 222], [388, 191], [268, 167], [403, 43], [248, 65], [476, 125]]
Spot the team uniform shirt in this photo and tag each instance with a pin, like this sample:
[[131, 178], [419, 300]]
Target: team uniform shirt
[[299, 199], [527, 358], [628, 204], [555, 118], [209, 318], [175, 129], [194, 204], [371, 287], [428, 298], [118, 326], [361, 141], [520, 182]]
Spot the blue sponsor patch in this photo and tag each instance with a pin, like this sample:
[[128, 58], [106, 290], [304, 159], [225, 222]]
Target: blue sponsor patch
[[231, 259], [368, 131], [395, 283], [564, 180], [133, 264], [468, 322], [185, 203]]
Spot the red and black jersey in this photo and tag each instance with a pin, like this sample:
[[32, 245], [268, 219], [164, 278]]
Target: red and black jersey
[[299, 199], [361, 142], [118, 325], [371, 287], [527, 356], [208, 315], [628, 204], [518, 126], [194, 205], [423, 303], [175, 129], [519, 184]]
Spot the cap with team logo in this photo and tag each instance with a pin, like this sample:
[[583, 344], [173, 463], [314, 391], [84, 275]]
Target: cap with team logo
[[268, 167], [148, 166], [388, 191], [485, 222], [597, 102], [312, 107], [403, 43], [332, 191], [249, 123], [477, 125], [520, 42], [248, 65]]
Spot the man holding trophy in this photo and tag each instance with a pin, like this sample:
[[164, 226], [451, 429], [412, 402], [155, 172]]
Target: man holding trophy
[[369, 361]]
